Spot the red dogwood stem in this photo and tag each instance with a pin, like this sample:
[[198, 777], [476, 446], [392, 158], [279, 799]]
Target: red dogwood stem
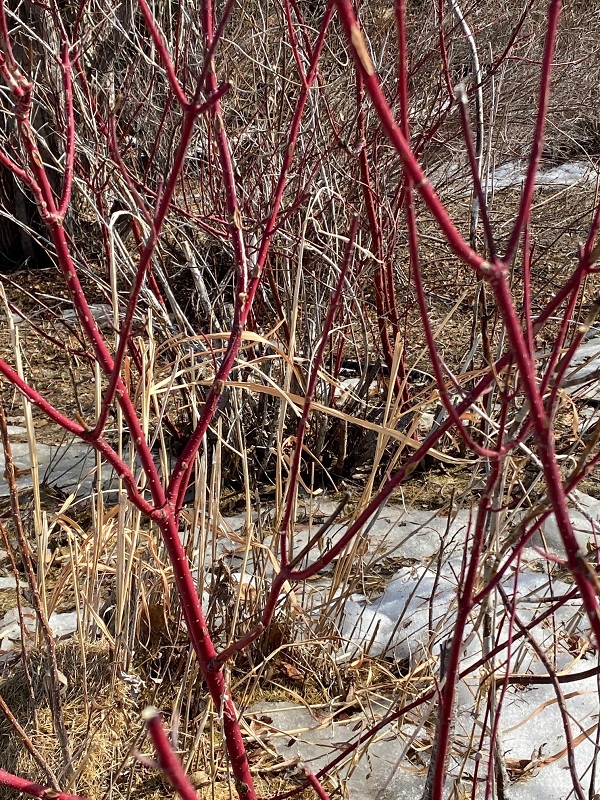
[[205, 652], [34, 789], [315, 784], [167, 758]]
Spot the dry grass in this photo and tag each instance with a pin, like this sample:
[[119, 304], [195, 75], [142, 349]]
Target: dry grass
[[102, 718], [102, 711]]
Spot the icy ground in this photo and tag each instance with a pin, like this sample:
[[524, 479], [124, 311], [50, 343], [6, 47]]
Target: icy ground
[[511, 175], [583, 377], [405, 623], [62, 625], [70, 466]]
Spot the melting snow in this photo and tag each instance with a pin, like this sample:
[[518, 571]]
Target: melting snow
[[408, 621], [70, 467], [582, 377], [512, 175], [62, 625], [295, 732], [402, 621]]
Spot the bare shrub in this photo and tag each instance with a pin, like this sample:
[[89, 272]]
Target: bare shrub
[[238, 207]]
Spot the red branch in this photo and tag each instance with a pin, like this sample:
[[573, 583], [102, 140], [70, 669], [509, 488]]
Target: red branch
[[167, 759], [34, 789]]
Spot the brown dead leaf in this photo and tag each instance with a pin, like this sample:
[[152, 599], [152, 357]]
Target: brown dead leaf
[[289, 670]]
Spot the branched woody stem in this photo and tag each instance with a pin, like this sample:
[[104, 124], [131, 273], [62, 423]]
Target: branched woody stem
[[162, 499]]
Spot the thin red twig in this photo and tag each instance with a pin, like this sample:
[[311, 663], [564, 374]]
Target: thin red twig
[[167, 759], [34, 789]]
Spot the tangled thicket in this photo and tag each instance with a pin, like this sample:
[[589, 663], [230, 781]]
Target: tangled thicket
[[225, 215]]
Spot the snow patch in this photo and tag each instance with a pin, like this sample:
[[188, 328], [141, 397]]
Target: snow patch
[[512, 175], [61, 625]]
